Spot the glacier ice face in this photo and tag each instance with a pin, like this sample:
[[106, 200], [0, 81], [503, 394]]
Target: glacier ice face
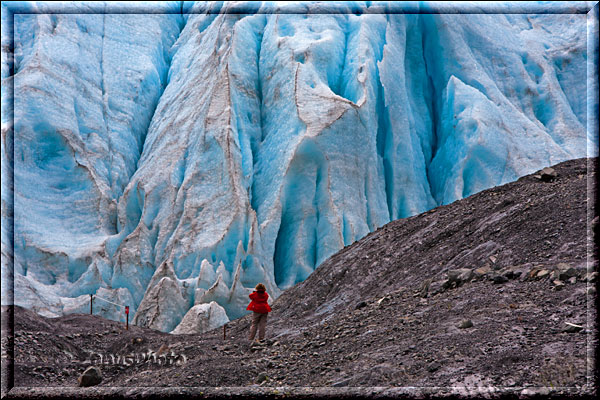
[[500, 119], [85, 86], [173, 161]]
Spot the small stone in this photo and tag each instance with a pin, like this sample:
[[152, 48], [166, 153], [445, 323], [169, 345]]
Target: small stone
[[499, 279], [344, 382], [533, 273], [567, 274], [548, 174], [424, 292], [465, 323], [163, 349], [262, 377], [436, 287], [591, 276], [564, 274], [90, 377], [572, 328], [482, 271], [361, 305], [558, 285], [591, 290], [542, 273], [508, 274], [434, 366], [572, 280], [457, 277]]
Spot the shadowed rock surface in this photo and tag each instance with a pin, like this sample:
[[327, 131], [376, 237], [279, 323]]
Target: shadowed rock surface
[[517, 261]]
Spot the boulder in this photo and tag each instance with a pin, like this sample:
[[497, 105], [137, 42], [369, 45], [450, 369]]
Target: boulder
[[90, 377]]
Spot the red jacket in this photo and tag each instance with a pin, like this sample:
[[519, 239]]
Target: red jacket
[[259, 302]]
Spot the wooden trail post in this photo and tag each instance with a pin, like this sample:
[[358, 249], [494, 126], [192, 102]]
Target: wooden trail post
[[127, 317], [224, 331], [91, 302]]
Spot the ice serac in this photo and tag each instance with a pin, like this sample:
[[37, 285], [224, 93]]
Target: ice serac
[[246, 144], [188, 205], [202, 318]]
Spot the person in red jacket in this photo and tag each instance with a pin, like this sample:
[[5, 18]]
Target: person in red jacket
[[261, 308]]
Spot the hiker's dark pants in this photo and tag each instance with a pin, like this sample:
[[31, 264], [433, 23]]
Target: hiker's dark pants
[[259, 321]]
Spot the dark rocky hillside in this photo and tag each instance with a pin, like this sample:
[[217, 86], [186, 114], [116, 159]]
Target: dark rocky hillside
[[493, 294]]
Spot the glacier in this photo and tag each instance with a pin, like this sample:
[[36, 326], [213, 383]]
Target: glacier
[[170, 157]]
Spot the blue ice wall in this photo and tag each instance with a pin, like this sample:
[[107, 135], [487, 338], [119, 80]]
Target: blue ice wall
[[85, 89], [170, 159]]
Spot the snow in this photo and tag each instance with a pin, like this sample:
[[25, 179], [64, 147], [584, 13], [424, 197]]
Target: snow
[[172, 161]]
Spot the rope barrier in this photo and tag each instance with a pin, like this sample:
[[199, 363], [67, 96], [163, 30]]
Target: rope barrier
[[108, 301]]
